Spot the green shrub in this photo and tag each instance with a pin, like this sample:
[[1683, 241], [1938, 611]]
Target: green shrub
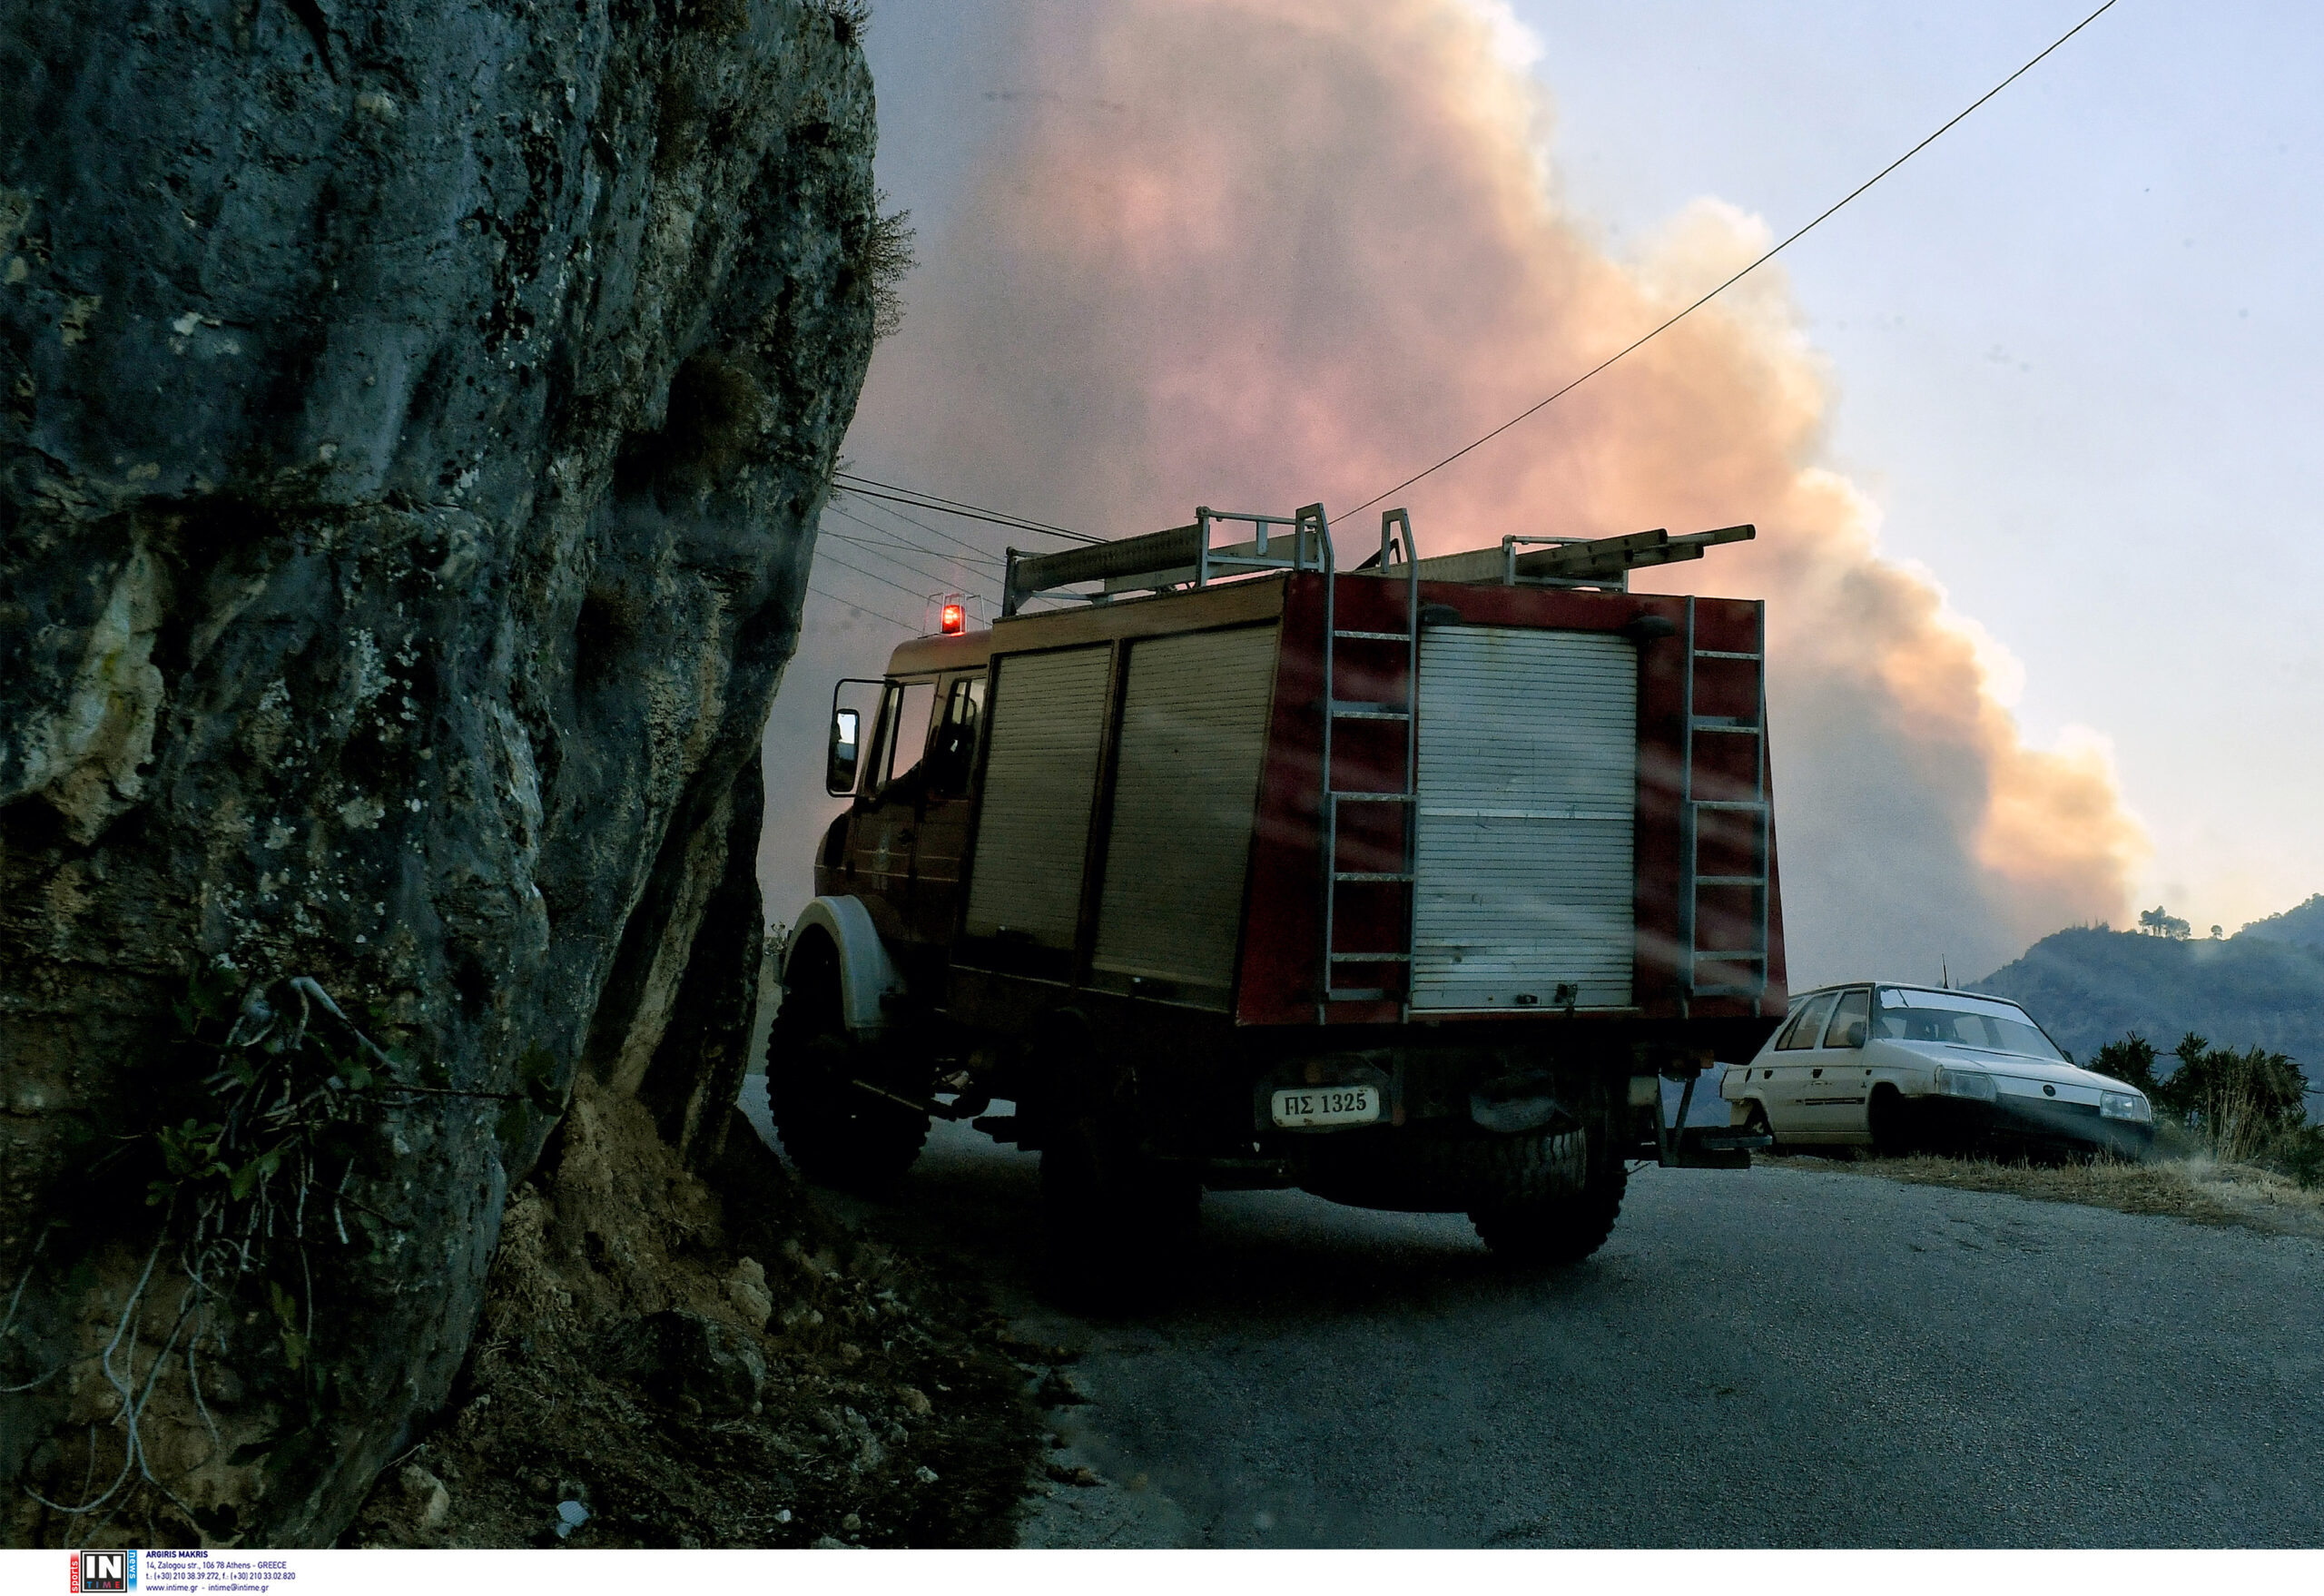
[[2247, 1106], [2131, 1062], [2242, 1102]]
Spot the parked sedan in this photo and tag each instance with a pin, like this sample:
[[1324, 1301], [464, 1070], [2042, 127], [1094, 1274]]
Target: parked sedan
[[1904, 1069]]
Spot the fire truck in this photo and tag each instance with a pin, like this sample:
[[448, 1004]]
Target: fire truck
[[1406, 884]]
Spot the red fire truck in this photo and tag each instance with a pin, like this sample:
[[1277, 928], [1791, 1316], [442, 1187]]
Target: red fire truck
[[1406, 884]]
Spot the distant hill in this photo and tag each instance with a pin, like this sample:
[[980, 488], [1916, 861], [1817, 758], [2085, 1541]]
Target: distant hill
[[2304, 924], [2260, 988]]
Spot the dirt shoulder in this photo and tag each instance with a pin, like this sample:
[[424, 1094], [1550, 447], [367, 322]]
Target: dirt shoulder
[[672, 1361], [2198, 1190]]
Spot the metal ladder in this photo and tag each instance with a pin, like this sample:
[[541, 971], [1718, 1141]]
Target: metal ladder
[[1392, 523], [1753, 812]]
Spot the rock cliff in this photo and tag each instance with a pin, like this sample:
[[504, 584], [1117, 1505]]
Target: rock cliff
[[413, 418]]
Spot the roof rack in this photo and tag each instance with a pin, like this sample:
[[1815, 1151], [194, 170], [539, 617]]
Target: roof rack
[[1184, 556], [1575, 562]]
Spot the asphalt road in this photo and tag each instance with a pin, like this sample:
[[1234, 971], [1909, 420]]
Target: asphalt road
[[1790, 1356]]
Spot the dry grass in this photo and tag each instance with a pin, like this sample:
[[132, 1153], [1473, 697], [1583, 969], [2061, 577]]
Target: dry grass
[[2196, 1189]]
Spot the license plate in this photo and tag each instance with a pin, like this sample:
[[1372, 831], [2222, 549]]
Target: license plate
[[1304, 1106]]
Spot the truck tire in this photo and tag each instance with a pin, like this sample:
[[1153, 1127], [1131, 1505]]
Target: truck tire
[[1556, 1199], [1117, 1226], [838, 1133]]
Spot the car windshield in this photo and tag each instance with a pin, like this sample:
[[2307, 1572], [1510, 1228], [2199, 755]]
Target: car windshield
[[1912, 1015]]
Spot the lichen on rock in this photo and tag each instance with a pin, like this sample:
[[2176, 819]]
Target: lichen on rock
[[412, 422]]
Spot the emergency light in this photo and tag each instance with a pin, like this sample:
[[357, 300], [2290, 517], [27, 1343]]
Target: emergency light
[[951, 619]]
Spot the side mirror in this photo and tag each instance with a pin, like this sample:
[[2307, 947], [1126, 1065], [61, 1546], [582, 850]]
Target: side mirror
[[840, 759]]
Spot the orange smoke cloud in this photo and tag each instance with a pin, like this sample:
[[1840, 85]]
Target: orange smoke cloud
[[1256, 252]]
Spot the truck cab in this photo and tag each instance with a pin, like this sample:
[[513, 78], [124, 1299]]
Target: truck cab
[[1405, 884]]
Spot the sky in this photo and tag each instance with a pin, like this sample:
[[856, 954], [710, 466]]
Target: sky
[[2023, 426]]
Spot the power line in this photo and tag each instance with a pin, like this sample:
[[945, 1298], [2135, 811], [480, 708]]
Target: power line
[[873, 576], [882, 537], [894, 514], [972, 555], [870, 488], [835, 598], [1740, 276], [876, 552]]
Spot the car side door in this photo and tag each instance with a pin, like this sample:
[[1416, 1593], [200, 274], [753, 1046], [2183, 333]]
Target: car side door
[[1838, 1082], [1783, 1081]]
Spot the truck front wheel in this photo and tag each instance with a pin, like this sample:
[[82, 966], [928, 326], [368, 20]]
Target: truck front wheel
[[836, 1132]]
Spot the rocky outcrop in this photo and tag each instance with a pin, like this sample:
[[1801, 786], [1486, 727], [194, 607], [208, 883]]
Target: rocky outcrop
[[412, 420]]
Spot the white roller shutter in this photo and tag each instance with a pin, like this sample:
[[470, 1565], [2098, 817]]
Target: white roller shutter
[[1047, 724], [1193, 731], [1528, 801]]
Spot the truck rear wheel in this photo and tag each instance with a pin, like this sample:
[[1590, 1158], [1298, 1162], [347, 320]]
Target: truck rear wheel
[[1556, 1200], [837, 1133], [1117, 1225]]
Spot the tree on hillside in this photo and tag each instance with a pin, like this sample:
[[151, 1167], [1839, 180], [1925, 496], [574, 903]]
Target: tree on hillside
[[2159, 921]]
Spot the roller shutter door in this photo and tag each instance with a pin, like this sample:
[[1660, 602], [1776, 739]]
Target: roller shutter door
[[1048, 724], [1528, 807], [1194, 732]]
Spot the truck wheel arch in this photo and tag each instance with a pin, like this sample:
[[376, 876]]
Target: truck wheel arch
[[867, 976]]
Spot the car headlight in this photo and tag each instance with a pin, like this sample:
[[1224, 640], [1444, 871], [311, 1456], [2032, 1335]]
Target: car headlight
[[1964, 1083], [2130, 1105]]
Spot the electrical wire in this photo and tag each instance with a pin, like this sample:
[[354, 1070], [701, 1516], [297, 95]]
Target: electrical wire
[[1640, 342], [870, 487], [906, 590], [876, 552], [977, 549], [882, 537], [835, 598]]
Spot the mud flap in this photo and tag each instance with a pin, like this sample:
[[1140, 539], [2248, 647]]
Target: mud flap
[[1701, 1147]]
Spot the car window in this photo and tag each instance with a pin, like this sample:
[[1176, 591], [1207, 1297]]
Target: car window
[[1849, 1019], [1915, 1015], [1804, 1030]]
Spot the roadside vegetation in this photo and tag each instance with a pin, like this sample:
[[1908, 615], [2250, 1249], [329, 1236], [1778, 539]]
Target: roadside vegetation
[[2233, 1145], [674, 1360]]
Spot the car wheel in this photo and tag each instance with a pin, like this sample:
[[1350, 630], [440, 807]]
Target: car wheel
[[1891, 1119]]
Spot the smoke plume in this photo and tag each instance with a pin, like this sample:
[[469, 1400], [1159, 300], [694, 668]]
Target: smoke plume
[[1254, 253]]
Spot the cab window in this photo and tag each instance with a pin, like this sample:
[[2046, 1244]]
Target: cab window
[[953, 751], [902, 735], [1804, 1031]]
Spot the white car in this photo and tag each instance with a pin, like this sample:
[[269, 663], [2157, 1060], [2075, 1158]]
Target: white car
[[1904, 1068]]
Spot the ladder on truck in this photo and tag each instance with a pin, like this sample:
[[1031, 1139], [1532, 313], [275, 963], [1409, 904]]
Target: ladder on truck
[[1395, 543], [1748, 813]]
